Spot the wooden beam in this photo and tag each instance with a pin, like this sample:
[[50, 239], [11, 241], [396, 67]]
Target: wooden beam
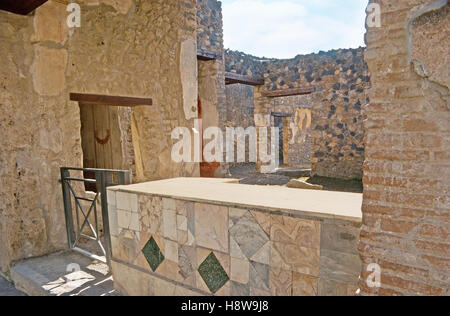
[[279, 114], [22, 7], [96, 99], [289, 92], [207, 55], [232, 78]]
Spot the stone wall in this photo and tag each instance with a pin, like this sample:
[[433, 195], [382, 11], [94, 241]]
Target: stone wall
[[336, 118], [211, 73], [240, 109], [132, 48], [407, 171], [177, 247], [240, 106], [244, 64], [297, 148]]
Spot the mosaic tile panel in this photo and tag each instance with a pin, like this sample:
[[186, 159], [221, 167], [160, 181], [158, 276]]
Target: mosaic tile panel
[[213, 273], [239, 252], [153, 254]]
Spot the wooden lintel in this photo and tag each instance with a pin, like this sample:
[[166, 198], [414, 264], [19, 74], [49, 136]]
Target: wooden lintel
[[289, 92], [97, 99], [22, 7], [232, 78], [207, 55], [279, 114]]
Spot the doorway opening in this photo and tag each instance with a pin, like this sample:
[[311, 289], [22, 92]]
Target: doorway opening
[[106, 133], [100, 139]]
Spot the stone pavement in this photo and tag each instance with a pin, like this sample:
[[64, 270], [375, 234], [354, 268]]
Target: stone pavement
[[63, 274], [8, 289]]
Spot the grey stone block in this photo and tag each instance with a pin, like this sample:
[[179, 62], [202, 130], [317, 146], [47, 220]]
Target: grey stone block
[[340, 266], [340, 237]]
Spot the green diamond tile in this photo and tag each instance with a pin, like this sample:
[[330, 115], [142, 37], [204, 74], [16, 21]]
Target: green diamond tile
[[213, 273], [153, 254]]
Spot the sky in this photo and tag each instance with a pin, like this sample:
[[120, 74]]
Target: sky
[[286, 28]]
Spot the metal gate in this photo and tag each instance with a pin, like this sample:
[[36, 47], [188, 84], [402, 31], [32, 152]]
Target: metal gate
[[77, 221]]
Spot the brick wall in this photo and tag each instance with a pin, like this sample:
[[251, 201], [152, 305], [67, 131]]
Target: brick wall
[[407, 170]]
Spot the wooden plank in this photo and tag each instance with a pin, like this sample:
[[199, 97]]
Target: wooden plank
[[22, 7], [116, 138], [107, 100], [289, 92], [87, 136], [232, 78], [102, 136], [207, 55]]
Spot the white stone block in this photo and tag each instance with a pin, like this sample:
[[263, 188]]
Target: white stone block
[[170, 224], [182, 223], [111, 197], [128, 220], [168, 204], [123, 201], [134, 203], [113, 223]]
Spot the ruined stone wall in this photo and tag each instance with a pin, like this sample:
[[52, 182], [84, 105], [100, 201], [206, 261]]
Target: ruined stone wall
[[211, 73], [336, 120], [240, 109], [131, 48], [240, 105], [211, 76], [245, 64], [407, 168], [297, 148], [40, 134]]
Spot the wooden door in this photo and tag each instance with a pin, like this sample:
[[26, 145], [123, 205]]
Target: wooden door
[[101, 137]]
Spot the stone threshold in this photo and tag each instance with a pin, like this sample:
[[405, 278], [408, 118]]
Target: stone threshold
[[308, 204]]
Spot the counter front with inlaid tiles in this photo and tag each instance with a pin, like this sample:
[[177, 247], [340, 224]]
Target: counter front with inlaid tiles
[[197, 236]]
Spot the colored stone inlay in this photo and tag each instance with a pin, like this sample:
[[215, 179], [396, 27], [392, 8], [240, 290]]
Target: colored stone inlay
[[153, 254], [213, 273]]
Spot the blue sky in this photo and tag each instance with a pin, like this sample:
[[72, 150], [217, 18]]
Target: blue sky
[[286, 28]]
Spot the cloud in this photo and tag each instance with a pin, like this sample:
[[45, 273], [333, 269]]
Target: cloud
[[285, 28]]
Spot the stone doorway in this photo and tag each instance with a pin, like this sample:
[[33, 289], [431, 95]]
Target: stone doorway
[[107, 136], [282, 122]]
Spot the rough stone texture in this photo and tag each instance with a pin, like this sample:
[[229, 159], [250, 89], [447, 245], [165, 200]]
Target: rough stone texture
[[245, 64], [337, 134], [296, 129], [240, 108], [323, 130], [406, 172], [137, 54], [232, 251]]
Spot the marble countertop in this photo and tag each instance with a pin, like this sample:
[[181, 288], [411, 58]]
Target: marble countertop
[[311, 203]]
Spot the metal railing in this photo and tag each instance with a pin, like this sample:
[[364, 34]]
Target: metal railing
[[103, 178]]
